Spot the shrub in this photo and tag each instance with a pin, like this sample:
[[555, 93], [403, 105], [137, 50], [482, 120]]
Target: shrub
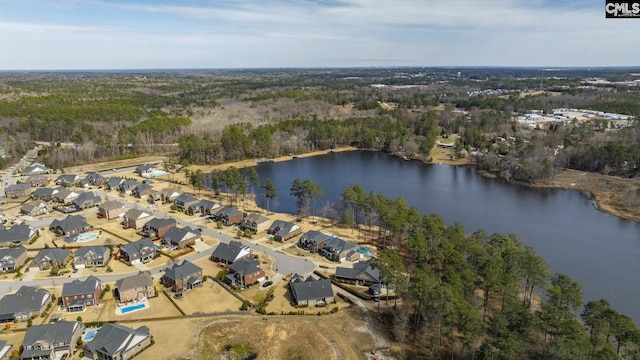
[[244, 306], [79, 318]]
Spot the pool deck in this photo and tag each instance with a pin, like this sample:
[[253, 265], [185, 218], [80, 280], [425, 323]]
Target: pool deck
[[144, 302]]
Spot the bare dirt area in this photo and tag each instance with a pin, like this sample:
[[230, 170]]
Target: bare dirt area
[[607, 190], [336, 336], [209, 298]]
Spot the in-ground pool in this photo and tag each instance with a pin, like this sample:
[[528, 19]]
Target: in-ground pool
[[88, 336], [364, 251], [131, 308]]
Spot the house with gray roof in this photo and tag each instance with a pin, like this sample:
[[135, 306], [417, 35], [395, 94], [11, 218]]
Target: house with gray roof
[[310, 291], [362, 273], [284, 230], [66, 196], [157, 227], [5, 350], [71, 225], [135, 287], [142, 250], [179, 238], [17, 190], [146, 170], [17, 235], [80, 294], [245, 272], [111, 209], [255, 222], [168, 194], [229, 215], [25, 303], [50, 341], [35, 169], [113, 183], [208, 207], [67, 179], [126, 186], [94, 179], [46, 194], [90, 256], [182, 277], [48, 258], [228, 253], [183, 201], [313, 240], [36, 208], [135, 218], [142, 191], [12, 258], [115, 341], [86, 200], [336, 249]]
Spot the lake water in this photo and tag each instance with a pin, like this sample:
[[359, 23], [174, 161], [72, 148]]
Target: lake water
[[600, 251]]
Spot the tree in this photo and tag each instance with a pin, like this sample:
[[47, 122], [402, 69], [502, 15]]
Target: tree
[[392, 270], [270, 191], [306, 192]]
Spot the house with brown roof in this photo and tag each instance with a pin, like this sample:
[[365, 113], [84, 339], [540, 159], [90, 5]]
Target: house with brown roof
[[37, 180], [36, 208], [135, 218], [111, 209], [134, 288], [255, 223]]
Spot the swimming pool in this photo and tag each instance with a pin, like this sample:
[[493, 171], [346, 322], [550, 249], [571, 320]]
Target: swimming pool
[[364, 251], [131, 308], [83, 237], [89, 335]]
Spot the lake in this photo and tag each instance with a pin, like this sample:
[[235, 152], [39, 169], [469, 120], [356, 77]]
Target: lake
[[600, 251]]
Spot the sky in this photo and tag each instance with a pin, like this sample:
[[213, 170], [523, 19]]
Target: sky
[[173, 34]]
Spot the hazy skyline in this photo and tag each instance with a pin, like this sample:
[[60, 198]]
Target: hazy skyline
[[127, 34]]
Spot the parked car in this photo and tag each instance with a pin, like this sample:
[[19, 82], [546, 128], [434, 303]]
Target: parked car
[[267, 283]]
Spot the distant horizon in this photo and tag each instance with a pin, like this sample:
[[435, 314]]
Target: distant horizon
[[43, 35]]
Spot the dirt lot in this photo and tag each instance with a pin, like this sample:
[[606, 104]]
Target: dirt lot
[[210, 298]]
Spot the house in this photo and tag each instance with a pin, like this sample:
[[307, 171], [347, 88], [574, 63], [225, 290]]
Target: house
[[169, 195], [229, 216], [36, 208], [66, 196], [183, 201], [71, 225], [284, 230], [17, 235], [244, 273], [90, 256], [353, 255], [17, 190], [362, 273], [50, 341], [146, 170], [94, 179], [193, 208], [336, 249], [208, 207], [127, 186], [80, 294], [25, 303], [47, 258], [111, 209], [135, 218], [46, 194], [5, 350], [115, 341], [156, 228], [113, 183], [67, 179], [36, 168], [313, 240], [142, 191], [87, 200], [142, 250], [37, 180], [228, 253], [135, 287], [182, 277], [12, 258], [176, 238], [255, 223], [310, 291]]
